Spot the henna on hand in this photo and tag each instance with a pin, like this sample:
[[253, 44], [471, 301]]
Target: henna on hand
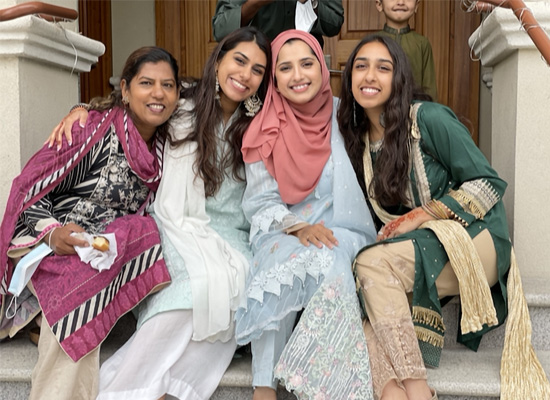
[[405, 223]]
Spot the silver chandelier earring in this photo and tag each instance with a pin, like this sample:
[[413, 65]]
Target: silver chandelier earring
[[125, 100], [252, 105], [217, 97]]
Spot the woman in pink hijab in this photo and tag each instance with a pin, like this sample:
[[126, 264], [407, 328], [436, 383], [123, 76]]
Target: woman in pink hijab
[[308, 220]]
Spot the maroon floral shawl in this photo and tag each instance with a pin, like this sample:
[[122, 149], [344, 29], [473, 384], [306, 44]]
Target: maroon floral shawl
[[64, 283]]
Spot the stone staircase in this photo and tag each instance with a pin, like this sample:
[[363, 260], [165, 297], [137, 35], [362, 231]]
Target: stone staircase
[[462, 375]]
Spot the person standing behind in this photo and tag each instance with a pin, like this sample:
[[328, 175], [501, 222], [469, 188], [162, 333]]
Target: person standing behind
[[274, 17], [416, 47]]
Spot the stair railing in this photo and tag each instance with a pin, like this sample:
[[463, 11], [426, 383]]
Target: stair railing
[[537, 34], [47, 11]]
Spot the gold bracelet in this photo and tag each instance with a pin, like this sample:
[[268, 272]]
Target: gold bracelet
[[435, 209], [428, 211], [440, 209]]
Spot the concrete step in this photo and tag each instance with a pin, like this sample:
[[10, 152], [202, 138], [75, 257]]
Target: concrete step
[[462, 375], [538, 298], [18, 357]]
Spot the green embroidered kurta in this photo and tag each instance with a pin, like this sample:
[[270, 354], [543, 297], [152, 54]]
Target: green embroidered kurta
[[419, 51], [276, 17], [448, 166]]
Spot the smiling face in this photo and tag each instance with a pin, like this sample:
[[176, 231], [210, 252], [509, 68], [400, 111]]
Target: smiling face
[[397, 12], [371, 77], [240, 73], [298, 72], [152, 96]]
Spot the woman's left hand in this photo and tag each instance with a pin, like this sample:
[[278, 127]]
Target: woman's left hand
[[406, 223], [317, 235]]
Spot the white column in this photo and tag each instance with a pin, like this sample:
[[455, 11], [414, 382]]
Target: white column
[[40, 64], [520, 139]]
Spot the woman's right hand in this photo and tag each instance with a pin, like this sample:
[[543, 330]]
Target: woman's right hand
[[65, 126], [61, 241]]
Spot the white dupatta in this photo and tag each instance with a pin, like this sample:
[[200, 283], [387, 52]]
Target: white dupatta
[[217, 271]]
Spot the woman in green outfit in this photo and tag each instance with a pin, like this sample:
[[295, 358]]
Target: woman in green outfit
[[436, 198]]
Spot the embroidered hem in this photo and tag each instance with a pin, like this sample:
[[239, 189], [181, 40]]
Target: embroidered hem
[[326, 356], [313, 263]]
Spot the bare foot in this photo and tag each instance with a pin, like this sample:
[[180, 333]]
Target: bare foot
[[264, 393], [393, 392], [418, 389]]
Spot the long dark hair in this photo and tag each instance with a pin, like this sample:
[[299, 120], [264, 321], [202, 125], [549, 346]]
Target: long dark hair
[[147, 54], [207, 114], [390, 179]]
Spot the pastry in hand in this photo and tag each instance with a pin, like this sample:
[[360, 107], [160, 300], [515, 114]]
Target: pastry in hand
[[100, 243]]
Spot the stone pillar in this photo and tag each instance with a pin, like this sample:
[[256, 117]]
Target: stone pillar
[[40, 64], [520, 139]]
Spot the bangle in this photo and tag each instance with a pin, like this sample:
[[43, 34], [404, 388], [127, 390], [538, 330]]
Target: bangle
[[436, 209], [50, 238], [79, 105], [429, 211]]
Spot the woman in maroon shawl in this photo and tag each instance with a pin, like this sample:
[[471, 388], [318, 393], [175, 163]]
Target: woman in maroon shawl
[[100, 184]]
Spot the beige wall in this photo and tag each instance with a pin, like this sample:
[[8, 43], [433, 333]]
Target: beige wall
[[28, 112], [37, 85], [485, 114]]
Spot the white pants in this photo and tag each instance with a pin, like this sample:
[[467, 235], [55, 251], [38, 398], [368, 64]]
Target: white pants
[[160, 358]]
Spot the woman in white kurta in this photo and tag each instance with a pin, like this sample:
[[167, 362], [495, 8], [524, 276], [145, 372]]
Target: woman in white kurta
[[204, 236], [308, 220]]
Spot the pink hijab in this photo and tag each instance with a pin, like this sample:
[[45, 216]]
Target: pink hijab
[[292, 140]]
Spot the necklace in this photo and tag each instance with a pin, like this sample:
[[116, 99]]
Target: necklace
[[375, 147]]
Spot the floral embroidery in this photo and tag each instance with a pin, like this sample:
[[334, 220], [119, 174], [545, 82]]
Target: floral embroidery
[[307, 211], [326, 356], [118, 192]]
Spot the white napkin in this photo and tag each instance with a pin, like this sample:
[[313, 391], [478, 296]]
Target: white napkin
[[305, 16], [100, 260]]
